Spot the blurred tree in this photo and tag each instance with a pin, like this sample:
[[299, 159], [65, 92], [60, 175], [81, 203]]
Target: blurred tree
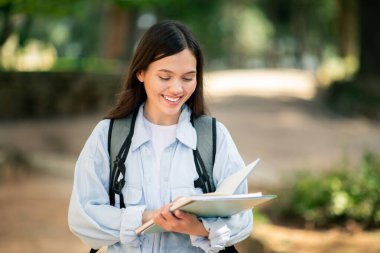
[[347, 17], [203, 17], [234, 34], [29, 9], [369, 37], [361, 95], [118, 32], [120, 28], [303, 29], [72, 26], [6, 24], [242, 33], [127, 19], [246, 36]]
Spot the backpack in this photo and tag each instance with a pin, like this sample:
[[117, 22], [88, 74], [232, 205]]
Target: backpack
[[120, 135]]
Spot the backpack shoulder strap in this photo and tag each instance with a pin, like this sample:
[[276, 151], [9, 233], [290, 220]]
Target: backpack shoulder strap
[[120, 135], [117, 133], [205, 127]]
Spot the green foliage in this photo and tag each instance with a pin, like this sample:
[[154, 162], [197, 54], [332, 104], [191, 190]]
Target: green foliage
[[337, 197], [360, 96], [234, 34], [260, 216], [88, 65], [69, 27], [41, 7]]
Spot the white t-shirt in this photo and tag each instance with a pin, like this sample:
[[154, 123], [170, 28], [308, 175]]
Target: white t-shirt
[[162, 137]]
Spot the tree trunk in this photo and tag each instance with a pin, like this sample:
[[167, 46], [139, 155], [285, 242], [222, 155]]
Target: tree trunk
[[369, 37], [7, 27], [119, 32], [348, 28]]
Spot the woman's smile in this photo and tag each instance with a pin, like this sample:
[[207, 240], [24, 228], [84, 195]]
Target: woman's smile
[[173, 100]]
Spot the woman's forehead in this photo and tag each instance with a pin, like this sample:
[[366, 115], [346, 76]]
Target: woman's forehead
[[183, 61]]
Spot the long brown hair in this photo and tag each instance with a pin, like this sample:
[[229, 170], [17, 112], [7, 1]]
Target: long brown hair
[[161, 40]]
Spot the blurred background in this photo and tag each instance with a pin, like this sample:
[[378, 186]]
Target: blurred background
[[294, 81]]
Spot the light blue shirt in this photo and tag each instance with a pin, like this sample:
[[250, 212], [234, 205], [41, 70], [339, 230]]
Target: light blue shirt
[[97, 223]]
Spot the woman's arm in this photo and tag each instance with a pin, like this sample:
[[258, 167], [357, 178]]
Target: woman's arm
[[91, 217]]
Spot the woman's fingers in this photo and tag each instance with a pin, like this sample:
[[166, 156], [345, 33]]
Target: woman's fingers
[[166, 213], [181, 215], [166, 219], [179, 221]]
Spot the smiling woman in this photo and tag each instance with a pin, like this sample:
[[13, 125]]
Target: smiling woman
[[164, 93]]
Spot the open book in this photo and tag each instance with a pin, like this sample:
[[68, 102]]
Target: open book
[[221, 203]]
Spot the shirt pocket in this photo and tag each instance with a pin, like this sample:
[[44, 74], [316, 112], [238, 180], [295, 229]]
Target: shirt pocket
[[132, 196], [183, 191]]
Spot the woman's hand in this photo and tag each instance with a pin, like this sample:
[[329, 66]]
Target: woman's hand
[[149, 215], [179, 221]]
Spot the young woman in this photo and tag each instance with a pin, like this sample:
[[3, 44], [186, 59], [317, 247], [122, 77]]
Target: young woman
[[165, 84]]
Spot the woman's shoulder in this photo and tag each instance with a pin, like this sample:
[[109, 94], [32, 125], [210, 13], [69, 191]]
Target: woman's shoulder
[[221, 128], [102, 126], [97, 140], [100, 131], [223, 136]]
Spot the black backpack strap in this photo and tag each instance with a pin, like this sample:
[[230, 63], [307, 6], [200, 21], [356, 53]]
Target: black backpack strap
[[110, 128], [213, 141], [230, 249], [205, 127]]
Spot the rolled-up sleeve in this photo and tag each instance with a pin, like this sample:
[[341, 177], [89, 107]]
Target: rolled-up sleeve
[[225, 232], [127, 232], [90, 216]]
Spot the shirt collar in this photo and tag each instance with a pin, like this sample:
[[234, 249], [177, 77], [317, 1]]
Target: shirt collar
[[186, 133]]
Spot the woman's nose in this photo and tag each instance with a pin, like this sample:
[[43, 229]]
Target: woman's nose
[[176, 87]]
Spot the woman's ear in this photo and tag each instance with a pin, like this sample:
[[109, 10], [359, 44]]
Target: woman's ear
[[140, 75]]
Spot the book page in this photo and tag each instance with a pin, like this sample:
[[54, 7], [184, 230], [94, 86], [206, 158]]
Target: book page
[[223, 197], [230, 184]]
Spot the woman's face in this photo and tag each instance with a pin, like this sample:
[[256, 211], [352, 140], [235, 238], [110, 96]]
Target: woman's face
[[169, 83]]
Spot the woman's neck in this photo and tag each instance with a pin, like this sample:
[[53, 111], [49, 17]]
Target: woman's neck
[[161, 119]]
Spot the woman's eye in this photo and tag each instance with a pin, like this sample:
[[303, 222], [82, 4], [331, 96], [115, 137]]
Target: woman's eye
[[187, 79], [164, 78]]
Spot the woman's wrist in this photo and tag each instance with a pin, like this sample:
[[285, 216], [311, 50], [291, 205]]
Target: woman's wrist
[[199, 230]]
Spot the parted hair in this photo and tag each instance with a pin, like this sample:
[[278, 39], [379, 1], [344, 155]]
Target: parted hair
[[163, 39]]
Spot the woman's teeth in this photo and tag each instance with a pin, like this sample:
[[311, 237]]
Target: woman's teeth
[[171, 99]]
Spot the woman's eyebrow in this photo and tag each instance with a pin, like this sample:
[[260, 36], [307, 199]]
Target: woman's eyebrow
[[169, 71]]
